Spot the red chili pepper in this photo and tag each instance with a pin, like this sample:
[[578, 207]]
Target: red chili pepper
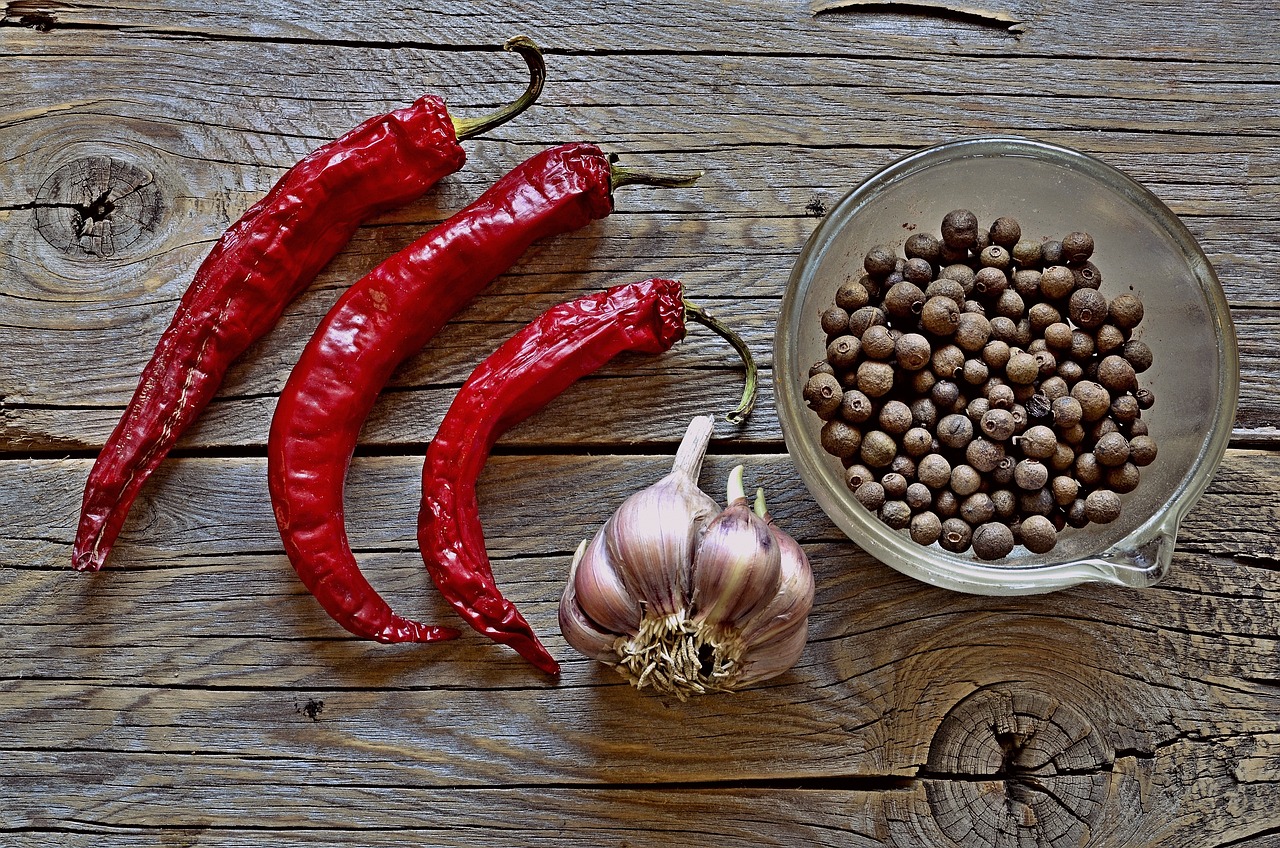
[[379, 322], [262, 262], [562, 345]]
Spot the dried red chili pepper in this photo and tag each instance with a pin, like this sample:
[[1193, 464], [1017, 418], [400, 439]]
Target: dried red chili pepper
[[379, 322], [262, 262], [562, 345]]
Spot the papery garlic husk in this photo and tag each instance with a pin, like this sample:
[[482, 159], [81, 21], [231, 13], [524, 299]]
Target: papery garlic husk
[[723, 595]]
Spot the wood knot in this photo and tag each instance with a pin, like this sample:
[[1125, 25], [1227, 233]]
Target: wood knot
[[1012, 766], [97, 206]]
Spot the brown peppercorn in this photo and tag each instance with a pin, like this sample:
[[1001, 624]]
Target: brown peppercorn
[[880, 261], [976, 409], [960, 229], [923, 246], [955, 431], [934, 471], [822, 394], [992, 540], [842, 352], [852, 295], [926, 528], [1027, 253], [1070, 371], [904, 300], [917, 442], [1138, 354], [1065, 490], [1073, 435], [1087, 308], [947, 361], [1116, 374], [822, 366], [1005, 231], [973, 307], [1005, 502], [995, 256], [1057, 282], [977, 508], [896, 513], [875, 379], [1102, 506], [895, 418], [1000, 397], [1087, 276], [895, 485], [946, 504], [1126, 311], [997, 425], [878, 343], [912, 351], [1076, 248], [870, 494], [1145, 398], [1010, 304], [878, 448], [857, 474], [924, 413], [983, 454], [867, 316], [918, 497], [1123, 478], [1095, 401], [1051, 252], [1022, 368], [1038, 534], [965, 480], [1142, 450], [975, 372], [990, 282], [940, 315], [956, 535], [1031, 474], [835, 321], [1038, 442], [855, 407], [839, 439], [1088, 471], [1046, 362]]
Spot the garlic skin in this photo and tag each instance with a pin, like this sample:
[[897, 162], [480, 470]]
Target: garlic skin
[[684, 598]]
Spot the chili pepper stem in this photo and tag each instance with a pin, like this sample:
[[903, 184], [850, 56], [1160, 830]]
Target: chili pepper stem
[[620, 176], [700, 315], [465, 128]]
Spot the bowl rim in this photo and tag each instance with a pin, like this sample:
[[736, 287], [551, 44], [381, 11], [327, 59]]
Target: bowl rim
[[1141, 558]]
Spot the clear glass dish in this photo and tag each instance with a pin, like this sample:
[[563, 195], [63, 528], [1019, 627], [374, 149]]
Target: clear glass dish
[[1140, 246]]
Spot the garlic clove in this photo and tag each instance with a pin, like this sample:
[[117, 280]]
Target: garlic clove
[[578, 629], [651, 538], [794, 598], [601, 592], [775, 656], [737, 565]]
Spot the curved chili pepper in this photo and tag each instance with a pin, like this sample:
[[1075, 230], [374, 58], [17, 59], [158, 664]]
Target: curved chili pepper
[[562, 345], [378, 323], [258, 266]]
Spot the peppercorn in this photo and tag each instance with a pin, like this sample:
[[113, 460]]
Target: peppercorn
[[1027, 253], [1142, 450], [1138, 354], [1039, 502], [997, 425], [975, 372], [1116, 374], [1022, 368], [945, 392], [1145, 398], [1126, 311], [895, 485], [983, 454], [1000, 396], [842, 352], [875, 379], [877, 342], [940, 315], [834, 321], [1005, 503], [1057, 282], [946, 504], [1031, 474], [1087, 276], [1095, 401], [1038, 442], [867, 316], [923, 246], [870, 494], [1087, 308], [992, 540], [857, 474], [934, 471], [1005, 231], [852, 296], [905, 299], [919, 497], [1076, 248], [880, 261], [1064, 489], [1102, 506], [895, 417], [960, 229], [822, 366], [1037, 406], [926, 528], [1004, 329], [855, 407], [995, 256], [839, 439], [956, 535], [1088, 470], [878, 448], [822, 394], [1038, 534], [895, 513]]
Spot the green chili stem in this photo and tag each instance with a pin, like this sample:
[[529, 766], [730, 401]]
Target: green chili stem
[[619, 176], [465, 128], [698, 314]]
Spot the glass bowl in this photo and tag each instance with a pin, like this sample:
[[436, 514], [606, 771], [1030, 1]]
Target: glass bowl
[[1141, 246]]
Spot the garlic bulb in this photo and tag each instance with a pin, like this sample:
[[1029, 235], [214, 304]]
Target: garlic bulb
[[686, 598]]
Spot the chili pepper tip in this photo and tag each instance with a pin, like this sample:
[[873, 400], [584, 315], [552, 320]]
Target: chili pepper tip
[[700, 315], [464, 128]]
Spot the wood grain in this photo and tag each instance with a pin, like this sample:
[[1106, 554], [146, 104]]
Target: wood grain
[[194, 694]]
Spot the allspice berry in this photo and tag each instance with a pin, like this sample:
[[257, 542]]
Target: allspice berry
[[875, 379], [1126, 311], [956, 535], [923, 246], [1038, 442], [895, 485], [926, 528], [917, 442], [896, 514], [880, 261], [913, 351], [934, 471], [834, 321], [940, 315], [1123, 479], [904, 299], [1112, 449], [1057, 282], [1095, 401], [992, 540], [1116, 374], [1038, 534], [855, 407], [823, 393], [972, 332], [1076, 248], [960, 229], [870, 494], [1087, 308], [1031, 474], [878, 448], [842, 352], [997, 424], [1138, 354], [1142, 450], [1006, 232], [1026, 252], [878, 343], [852, 296], [1102, 506], [1022, 368], [857, 474], [965, 480], [895, 418], [839, 439]]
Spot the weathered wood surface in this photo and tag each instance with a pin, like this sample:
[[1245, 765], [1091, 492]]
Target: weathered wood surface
[[194, 694]]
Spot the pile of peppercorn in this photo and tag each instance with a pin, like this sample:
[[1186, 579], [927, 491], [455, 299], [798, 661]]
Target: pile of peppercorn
[[981, 391]]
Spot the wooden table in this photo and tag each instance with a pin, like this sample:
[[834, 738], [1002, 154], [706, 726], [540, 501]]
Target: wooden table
[[194, 694]]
